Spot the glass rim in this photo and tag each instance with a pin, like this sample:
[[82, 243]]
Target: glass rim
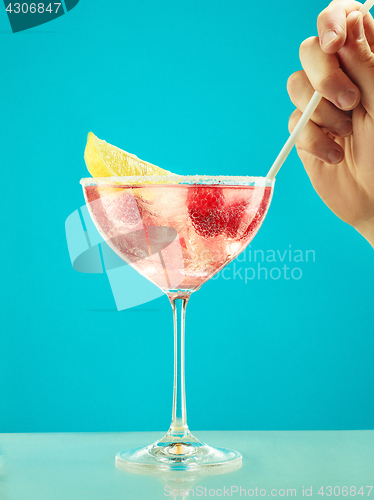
[[147, 180]]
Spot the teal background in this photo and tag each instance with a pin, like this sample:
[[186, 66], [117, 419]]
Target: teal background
[[195, 87]]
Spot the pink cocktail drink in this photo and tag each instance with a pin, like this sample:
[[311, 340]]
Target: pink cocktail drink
[[177, 236], [178, 232]]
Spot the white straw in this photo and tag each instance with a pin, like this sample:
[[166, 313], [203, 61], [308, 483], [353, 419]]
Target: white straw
[[305, 117]]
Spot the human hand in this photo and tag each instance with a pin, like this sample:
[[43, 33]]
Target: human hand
[[337, 145]]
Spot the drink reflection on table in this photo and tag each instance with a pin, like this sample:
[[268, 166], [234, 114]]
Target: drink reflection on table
[[179, 484]]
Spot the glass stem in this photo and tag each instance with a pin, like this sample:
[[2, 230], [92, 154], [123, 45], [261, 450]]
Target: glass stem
[[179, 426]]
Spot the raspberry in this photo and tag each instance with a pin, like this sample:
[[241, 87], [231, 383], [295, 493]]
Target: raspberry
[[206, 210], [234, 217]]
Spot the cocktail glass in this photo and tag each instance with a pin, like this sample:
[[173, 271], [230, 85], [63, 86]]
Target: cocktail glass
[[178, 231]]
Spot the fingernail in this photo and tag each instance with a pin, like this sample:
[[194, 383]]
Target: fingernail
[[347, 99], [345, 128], [334, 156], [329, 37]]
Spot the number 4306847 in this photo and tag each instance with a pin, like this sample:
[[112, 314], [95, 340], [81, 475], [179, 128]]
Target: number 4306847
[[351, 491], [33, 8]]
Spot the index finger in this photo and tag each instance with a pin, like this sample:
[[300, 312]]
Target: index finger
[[332, 25]]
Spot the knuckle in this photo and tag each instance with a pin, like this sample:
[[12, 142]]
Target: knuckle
[[311, 144], [366, 56], [324, 83], [294, 80], [307, 45]]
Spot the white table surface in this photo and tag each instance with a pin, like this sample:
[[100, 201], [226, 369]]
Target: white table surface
[[69, 466]]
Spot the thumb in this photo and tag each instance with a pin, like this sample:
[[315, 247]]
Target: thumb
[[357, 59]]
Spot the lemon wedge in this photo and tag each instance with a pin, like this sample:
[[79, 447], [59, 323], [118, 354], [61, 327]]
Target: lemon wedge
[[104, 160]]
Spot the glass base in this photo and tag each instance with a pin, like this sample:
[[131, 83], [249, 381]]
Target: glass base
[[173, 453]]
